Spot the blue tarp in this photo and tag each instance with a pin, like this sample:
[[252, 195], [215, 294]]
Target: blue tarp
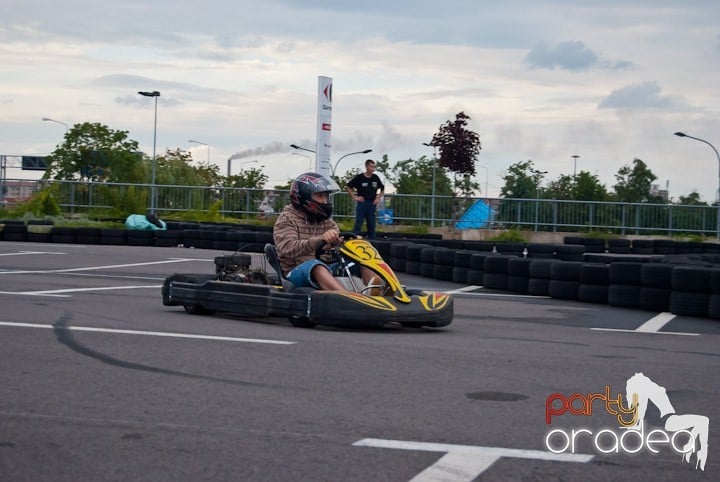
[[477, 216], [140, 221]]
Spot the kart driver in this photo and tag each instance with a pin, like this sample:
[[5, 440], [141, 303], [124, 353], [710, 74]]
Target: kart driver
[[303, 227]]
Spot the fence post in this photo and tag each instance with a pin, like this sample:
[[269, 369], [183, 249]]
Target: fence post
[[637, 220], [555, 216]]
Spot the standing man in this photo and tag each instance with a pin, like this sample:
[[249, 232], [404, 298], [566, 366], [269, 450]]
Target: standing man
[[363, 189]]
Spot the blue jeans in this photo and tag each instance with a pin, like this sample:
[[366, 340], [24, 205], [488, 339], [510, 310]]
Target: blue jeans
[[365, 211], [300, 276]]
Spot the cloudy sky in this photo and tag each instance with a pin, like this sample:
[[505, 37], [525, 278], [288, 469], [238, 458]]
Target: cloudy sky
[[544, 80]]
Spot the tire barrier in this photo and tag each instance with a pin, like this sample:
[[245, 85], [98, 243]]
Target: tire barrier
[[681, 277], [564, 280], [625, 283], [496, 272], [594, 283], [539, 272]]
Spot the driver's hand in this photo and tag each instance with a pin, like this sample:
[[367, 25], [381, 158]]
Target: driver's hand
[[332, 237]]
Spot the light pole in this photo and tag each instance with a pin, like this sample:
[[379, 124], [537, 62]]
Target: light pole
[[717, 194], [366, 151], [432, 199], [153, 192], [47, 119], [208, 149], [575, 158], [306, 157], [486, 180], [537, 195]]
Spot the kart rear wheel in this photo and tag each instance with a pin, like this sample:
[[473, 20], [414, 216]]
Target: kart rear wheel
[[301, 322], [196, 309]]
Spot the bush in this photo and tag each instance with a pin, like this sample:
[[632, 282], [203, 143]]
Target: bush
[[509, 236]]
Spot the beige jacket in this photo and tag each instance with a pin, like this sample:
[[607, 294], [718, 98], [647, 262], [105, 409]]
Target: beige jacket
[[292, 233]]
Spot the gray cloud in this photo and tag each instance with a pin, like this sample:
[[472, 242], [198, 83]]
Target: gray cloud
[[569, 55], [638, 96]]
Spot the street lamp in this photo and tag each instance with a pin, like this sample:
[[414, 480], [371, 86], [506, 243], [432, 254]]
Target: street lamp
[[366, 151], [432, 200], [575, 158], [537, 195], [47, 119], [208, 149], [153, 192], [295, 146], [486, 180], [305, 156], [717, 194]]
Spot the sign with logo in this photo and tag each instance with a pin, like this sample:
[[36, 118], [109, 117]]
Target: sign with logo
[[686, 434], [324, 127]]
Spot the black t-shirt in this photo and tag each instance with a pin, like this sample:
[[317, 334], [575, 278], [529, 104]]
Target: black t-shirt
[[366, 186]]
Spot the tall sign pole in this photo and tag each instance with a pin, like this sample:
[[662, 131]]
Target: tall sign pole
[[324, 127]]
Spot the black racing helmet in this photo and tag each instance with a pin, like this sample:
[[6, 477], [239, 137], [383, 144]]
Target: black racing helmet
[[302, 189]]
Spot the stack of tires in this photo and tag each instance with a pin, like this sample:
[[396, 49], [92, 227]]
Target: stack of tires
[[496, 271], [690, 294], [14, 231], [594, 281], [565, 280], [519, 275], [461, 265], [656, 286], [476, 274], [539, 274], [625, 283]]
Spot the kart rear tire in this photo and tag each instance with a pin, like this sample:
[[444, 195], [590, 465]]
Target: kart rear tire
[[196, 309], [301, 322]]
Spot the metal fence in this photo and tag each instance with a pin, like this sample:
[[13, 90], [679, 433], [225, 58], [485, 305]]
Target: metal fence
[[104, 199]]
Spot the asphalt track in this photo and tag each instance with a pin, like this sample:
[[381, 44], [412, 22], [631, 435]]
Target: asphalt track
[[99, 381]]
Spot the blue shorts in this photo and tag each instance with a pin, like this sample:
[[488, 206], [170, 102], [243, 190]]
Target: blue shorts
[[300, 274]]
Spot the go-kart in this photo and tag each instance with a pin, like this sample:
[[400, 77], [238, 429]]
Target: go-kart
[[238, 290]]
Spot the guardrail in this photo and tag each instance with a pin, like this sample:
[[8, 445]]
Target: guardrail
[[99, 199]]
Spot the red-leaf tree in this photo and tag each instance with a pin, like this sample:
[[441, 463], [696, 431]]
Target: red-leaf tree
[[458, 146]]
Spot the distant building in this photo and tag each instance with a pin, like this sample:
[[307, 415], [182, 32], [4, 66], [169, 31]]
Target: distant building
[[656, 191], [17, 191]]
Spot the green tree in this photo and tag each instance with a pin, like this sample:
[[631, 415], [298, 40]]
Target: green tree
[[589, 188], [634, 183], [585, 187], [459, 148], [253, 178], [522, 181], [94, 152], [692, 199]]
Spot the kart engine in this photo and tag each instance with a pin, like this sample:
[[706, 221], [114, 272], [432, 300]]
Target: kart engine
[[237, 268]]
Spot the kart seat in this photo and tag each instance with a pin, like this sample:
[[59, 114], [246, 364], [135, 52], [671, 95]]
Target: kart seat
[[271, 256]]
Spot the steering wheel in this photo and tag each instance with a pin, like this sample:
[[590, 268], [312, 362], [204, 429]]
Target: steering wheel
[[333, 254]]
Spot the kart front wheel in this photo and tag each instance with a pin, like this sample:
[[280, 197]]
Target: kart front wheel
[[196, 309], [301, 322]]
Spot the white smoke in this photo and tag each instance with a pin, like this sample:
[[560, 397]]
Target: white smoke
[[271, 148]]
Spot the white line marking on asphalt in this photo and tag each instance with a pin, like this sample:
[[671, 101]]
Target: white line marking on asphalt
[[91, 268], [488, 294], [59, 293], [29, 252], [150, 333], [464, 289], [465, 462], [654, 324], [32, 293], [651, 332]]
